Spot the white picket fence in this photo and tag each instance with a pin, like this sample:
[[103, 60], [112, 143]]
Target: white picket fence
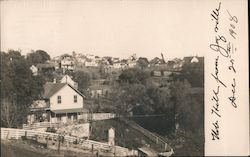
[[40, 125], [97, 116], [11, 133]]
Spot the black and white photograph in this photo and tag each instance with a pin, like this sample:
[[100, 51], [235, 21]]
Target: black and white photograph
[[113, 78]]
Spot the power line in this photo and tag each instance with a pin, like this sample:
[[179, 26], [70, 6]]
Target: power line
[[152, 115]]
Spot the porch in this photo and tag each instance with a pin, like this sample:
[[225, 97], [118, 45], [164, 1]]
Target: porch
[[66, 115]]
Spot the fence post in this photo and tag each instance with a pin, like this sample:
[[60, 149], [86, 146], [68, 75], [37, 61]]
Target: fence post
[[92, 148], [166, 146], [25, 134], [17, 134], [59, 143]]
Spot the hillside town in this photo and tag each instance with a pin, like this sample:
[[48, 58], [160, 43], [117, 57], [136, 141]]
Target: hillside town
[[94, 102]]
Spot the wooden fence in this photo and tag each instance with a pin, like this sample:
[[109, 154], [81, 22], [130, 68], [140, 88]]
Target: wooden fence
[[40, 125], [11, 133]]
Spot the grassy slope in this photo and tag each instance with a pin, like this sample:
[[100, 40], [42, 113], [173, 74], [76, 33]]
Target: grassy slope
[[18, 148]]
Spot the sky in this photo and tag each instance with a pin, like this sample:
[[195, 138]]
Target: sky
[[106, 28]]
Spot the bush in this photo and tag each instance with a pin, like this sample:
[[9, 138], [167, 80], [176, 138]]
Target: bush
[[51, 129]]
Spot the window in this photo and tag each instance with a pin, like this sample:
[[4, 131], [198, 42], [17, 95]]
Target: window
[[59, 99], [75, 98]]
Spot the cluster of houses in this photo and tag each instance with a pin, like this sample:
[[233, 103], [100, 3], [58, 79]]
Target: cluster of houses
[[159, 66], [78, 60], [69, 62]]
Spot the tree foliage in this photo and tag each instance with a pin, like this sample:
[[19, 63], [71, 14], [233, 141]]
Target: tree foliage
[[188, 106], [194, 74], [134, 75], [142, 62], [82, 78], [18, 88], [38, 56]]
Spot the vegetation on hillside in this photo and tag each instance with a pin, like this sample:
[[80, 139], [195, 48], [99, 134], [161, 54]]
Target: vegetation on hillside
[[137, 92]]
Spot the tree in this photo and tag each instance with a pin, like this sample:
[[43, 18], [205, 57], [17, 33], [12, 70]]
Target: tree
[[82, 78], [160, 99], [134, 75], [18, 88], [194, 73], [189, 106], [39, 56], [142, 62]]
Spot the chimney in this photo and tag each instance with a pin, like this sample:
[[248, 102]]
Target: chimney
[[54, 80]]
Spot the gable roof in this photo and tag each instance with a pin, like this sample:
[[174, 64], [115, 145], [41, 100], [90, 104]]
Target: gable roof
[[51, 88], [189, 59]]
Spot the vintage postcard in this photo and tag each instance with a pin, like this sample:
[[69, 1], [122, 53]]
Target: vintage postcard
[[147, 78]]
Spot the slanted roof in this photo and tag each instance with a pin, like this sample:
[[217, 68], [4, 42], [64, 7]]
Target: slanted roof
[[72, 110], [51, 88]]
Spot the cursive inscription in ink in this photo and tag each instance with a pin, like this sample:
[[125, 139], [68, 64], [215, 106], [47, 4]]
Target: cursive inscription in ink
[[224, 49]]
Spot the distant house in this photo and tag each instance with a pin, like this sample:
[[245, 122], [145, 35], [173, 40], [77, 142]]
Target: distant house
[[116, 59], [178, 64], [90, 56], [131, 63], [193, 59], [99, 90], [67, 63], [45, 67], [156, 61], [157, 73], [91, 63], [61, 103], [97, 58], [117, 65], [165, 70], [34, 70]]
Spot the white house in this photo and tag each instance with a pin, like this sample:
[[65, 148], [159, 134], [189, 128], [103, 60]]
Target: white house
[[34, 70], [117, 65], [64, 103], [67, 63], [91, 63], [131, 63], [194, 60]]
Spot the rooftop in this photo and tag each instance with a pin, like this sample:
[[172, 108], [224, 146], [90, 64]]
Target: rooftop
[[51, 88]]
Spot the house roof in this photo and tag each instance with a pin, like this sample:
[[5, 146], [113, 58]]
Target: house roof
[[188, 59], [51, 88], [72, 110]]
